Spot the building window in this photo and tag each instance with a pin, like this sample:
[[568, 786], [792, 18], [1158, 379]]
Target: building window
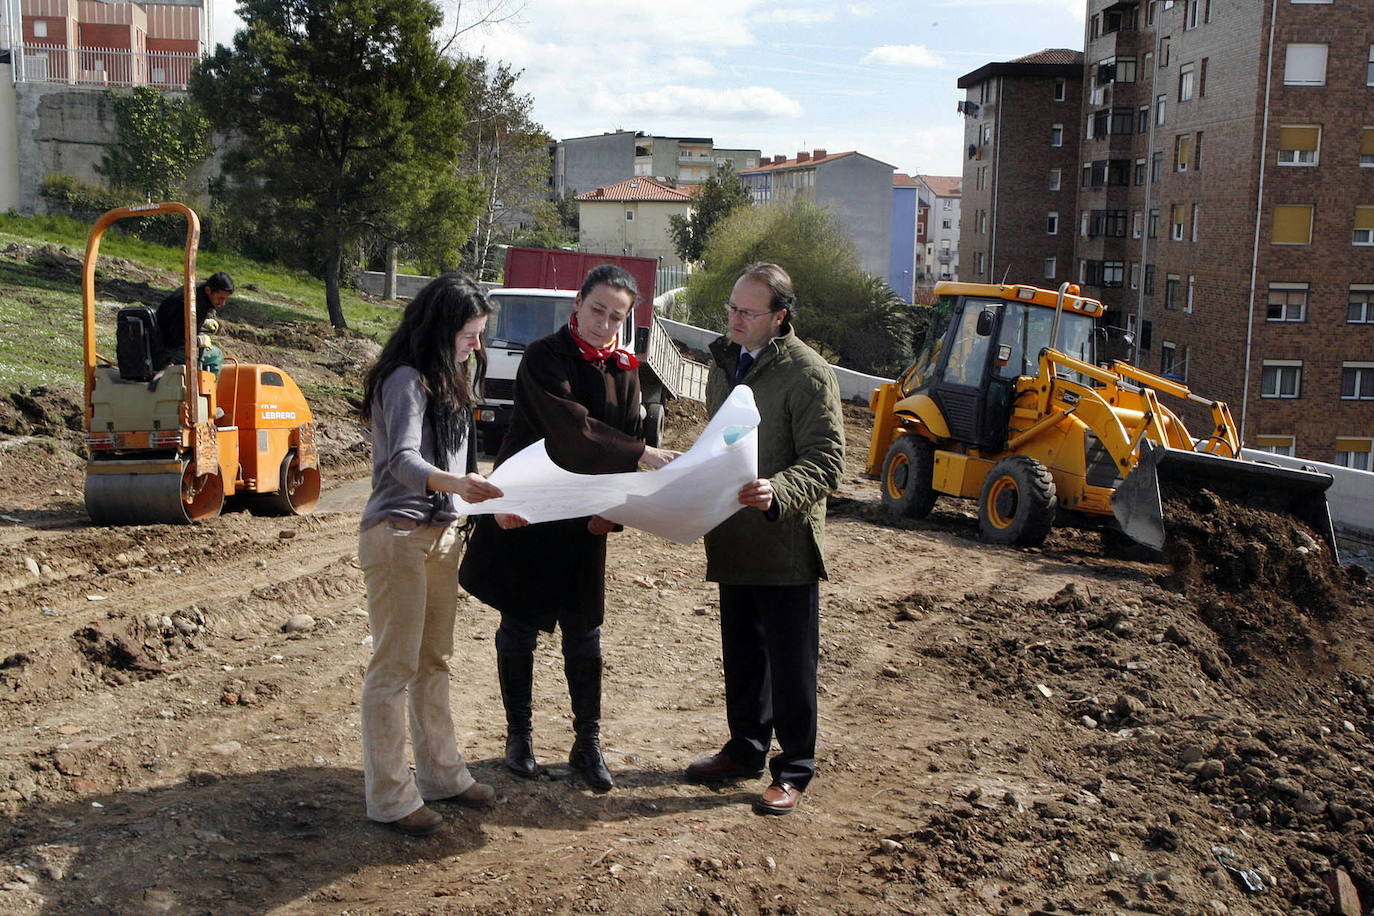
[[1287, 302], [1177, 222], [1354, 453], [1186, 74], [1083, 217], [1367, 148], [1061, 90], [1357, 381], [1275, 445], [1056, 135], [1137, 224], [1360, 304], [1197, 152], [1139, 172], [1125, 69], [1188, 305], [1202, 71], [1292, 224], [1281, 378], [40, 28], [1154, 224], [1143, 120], [1193, 236], [1157, 168], [1149, 291], [629, 214], [1164, 51], [1305, 65], [1135, 275], [947, 203], [1364, 226], [1183, 150], [1052, 223], [1055, 178], [1168, 360], [1369, 70], [982, 221], [1160, 103], [946, 224], [1299, 144], [1051, 267], [981, 263], [1113, 273], [1173, 291], [1191, 17]]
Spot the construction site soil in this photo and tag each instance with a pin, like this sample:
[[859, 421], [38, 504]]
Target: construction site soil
[[1003, 731]]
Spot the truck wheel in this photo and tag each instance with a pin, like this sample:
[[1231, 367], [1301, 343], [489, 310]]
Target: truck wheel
[[906, 481], [653, 424], [1018, 503]]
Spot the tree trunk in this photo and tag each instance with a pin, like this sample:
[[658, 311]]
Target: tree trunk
[[331, 288], [389, 283]]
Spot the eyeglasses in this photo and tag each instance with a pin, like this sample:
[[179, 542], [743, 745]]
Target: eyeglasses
[[730, 309]]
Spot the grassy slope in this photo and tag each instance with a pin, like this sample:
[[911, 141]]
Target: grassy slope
[[41, 317]]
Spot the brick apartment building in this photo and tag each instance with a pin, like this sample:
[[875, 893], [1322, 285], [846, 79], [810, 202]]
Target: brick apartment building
[[1225, 211], [1020, 172]]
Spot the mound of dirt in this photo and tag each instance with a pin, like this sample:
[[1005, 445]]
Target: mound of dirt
[[1262, 580]]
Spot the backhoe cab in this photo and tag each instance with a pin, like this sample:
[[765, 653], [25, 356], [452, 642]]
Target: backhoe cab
[[1005, 404]]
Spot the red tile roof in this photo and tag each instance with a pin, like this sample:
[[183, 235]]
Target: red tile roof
[[793, 163], [944, 186], [903, 180], [633, 189], [1051, 56]]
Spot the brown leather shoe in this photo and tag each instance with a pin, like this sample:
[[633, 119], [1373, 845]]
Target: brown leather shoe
[[420, 822], [779, 798], [720, 768], [477, 795]]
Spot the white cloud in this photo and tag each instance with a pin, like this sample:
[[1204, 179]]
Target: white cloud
[[904, 56], [745, 104], [793, 16], [681, 68], [861, 10]]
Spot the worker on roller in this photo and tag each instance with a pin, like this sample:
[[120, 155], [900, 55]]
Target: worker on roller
[[171, 323]]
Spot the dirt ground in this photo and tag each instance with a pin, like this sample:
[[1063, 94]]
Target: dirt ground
[[1003, 731]]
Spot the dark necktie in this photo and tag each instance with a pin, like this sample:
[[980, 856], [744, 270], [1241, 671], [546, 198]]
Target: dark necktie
[[746, 359]]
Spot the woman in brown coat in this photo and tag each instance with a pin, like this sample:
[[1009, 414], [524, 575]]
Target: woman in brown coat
[[580, 393]]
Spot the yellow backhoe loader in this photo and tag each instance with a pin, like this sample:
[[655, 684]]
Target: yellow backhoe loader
[[171, 443], [1006, 405]]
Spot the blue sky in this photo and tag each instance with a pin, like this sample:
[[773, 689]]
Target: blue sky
[[877, 76]]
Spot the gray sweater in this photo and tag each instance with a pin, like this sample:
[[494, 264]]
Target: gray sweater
[[403, 456]]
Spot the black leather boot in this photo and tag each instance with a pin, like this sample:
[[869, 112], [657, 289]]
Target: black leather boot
[[515, 670], [584, 689]]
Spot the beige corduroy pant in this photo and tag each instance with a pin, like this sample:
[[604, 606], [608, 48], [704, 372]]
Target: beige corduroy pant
[[412, 595]]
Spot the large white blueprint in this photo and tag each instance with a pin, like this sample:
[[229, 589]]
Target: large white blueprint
[[680, 501]]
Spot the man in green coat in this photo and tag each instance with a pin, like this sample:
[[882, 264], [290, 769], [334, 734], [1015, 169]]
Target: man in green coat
[[767, 558]]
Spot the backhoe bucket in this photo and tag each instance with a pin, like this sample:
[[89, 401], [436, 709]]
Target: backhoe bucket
[[1139, 509]]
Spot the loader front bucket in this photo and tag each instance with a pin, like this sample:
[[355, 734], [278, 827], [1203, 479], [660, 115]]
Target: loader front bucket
[[1139, 509]]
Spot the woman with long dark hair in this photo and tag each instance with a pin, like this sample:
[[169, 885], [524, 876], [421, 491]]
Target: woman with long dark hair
[[578, 391], [418, 399]]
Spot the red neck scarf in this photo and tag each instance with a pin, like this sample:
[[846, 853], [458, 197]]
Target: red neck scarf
[[623, 358]]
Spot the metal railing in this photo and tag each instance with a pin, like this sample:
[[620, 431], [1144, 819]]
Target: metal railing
[[76, 66]]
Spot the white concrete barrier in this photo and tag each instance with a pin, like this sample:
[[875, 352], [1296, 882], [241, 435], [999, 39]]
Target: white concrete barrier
[[1351, 496]]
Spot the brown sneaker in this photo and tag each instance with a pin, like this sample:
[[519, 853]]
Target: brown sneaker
[[477, 795], [420, 822]]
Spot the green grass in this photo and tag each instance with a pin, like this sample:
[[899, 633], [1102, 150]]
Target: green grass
[[41, 315]]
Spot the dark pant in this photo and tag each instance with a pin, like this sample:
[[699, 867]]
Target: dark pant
[[516, 636], [770, 641]]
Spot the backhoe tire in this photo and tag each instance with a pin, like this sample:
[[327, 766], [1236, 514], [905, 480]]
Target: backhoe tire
[[906, 482], [1018, 503]]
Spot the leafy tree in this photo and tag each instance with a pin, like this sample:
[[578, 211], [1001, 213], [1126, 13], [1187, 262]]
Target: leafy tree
[[158, 140], [720, 195], [508, 161], [840, 310], [347, 121]]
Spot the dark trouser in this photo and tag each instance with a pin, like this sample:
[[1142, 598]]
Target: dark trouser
[[770, 641], [517, 637]]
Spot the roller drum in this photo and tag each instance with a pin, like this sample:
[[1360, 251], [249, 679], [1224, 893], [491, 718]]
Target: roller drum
[[173, 497]]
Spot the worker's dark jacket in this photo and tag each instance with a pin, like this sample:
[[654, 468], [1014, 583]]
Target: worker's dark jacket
[[801, 453], [171, 317], [589, 417]]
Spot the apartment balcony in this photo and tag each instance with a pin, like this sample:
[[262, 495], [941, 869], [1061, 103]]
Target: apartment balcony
[[100, 67]]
